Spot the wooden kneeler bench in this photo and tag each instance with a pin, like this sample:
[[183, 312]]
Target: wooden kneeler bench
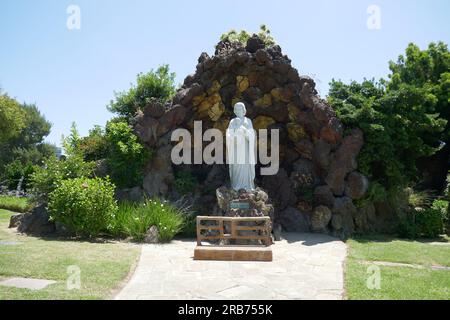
[[261, 230]]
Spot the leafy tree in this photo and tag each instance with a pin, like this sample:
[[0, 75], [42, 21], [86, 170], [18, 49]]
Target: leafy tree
[[19, 153], [12, 118], [429, 71], [403, 119], [159, 84], [243, 36], [126, 156], [49, 176], [95, 146]]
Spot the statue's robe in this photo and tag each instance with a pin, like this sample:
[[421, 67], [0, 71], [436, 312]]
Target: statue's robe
[[241, 153]]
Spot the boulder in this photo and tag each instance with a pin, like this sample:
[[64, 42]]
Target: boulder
[[344, 161], [254, 44], [152, 235], [356, 185], [305, 148], [263, 57], [279, 188], [159, 173], [292, 220], [322, 112], [332, 132], [36, 222], [324, 197], [185, 96], [343, 214], [321, 155], [15, 219], [154, 109], [133, 194], [171, 119], [320, 219]]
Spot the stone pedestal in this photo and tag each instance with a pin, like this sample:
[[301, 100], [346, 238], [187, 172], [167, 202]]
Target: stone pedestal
[[244, 203]]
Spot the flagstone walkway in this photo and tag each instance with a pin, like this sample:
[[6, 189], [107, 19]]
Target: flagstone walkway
[[305, 266]]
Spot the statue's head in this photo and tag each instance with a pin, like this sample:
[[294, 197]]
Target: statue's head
[[240, 110]]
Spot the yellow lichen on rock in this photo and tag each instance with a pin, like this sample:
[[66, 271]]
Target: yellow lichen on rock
[[242, 83], [196, 101], [296, 132], [263, 122], [280, 94], [215, 87], [276, 93], [265, 101], [216, 111], [294, 112]]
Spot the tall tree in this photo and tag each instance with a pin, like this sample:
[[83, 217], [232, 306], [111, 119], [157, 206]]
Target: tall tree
[[159, 84], [404, 118], [12, 118]]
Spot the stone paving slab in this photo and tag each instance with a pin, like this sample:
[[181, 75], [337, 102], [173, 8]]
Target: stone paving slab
[[305, 266], [27, 283]]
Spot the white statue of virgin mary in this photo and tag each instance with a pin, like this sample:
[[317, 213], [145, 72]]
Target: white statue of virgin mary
[[241, 150]]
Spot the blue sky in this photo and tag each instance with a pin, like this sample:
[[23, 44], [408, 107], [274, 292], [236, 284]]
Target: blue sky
[[71, 74]]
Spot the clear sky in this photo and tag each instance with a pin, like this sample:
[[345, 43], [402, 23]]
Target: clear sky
[[71, 74]]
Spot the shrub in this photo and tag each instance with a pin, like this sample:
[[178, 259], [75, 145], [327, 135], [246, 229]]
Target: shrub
[[134, 220], [86, 206], [428, 223], [48, 177], [126, 156], [243, 36], [94, 147], [419, 199]]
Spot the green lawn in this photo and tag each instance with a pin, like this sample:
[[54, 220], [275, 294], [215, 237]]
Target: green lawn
[[104, 266], [421, 282]]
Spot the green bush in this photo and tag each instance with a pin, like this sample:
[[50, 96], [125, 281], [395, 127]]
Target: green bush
[[427, 223], [126, 156], [48, 177], [134, 220], [94, 147], [85, 206], [243, 36]]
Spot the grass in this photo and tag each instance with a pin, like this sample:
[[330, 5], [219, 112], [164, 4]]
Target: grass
[[103, 266], [15, 204], [398, 282], [134, 220]]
